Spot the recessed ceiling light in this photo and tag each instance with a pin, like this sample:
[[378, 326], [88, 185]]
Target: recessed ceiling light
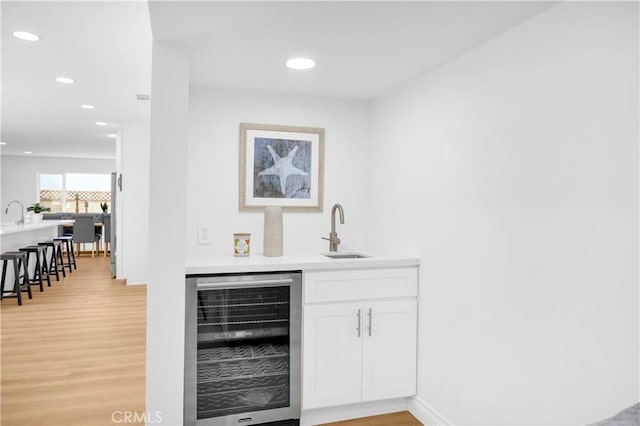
[[65, 80], [100, 123], [28, 152], [23, 35], [301, 63], [112, 135], [87, 106]]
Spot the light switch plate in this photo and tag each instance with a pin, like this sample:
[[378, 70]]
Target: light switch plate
[[204, 234]]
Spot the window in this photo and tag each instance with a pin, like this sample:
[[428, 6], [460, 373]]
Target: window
[[51, 191], [75, 192]]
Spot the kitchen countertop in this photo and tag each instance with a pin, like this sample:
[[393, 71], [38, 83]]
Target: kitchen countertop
[[12, 228], [219, 264]]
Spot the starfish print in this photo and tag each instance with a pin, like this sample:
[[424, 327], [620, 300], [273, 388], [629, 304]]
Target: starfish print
[[283, 167]]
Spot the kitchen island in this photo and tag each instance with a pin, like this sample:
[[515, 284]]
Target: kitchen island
[[13, 237]]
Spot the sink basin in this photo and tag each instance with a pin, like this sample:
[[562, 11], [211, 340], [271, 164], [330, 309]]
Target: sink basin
[[345, 255]]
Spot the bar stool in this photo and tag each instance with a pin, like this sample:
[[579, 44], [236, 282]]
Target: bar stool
[[18, 259], [56, 261], [67, 243], [41, 265]]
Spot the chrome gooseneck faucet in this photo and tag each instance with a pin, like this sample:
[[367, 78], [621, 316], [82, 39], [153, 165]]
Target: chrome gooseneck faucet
[[21, 221], [333, 236]]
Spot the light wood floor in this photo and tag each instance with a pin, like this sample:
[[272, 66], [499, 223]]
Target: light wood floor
[[74, 354], [403, 418]]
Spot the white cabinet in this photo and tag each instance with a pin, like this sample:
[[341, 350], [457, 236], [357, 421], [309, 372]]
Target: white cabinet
[[389, 350], [332, 372], [359, 345]]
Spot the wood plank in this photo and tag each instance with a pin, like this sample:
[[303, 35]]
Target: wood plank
[[74, 354], [403, 418]]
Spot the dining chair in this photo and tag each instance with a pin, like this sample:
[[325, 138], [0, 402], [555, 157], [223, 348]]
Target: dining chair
[[84, 232]]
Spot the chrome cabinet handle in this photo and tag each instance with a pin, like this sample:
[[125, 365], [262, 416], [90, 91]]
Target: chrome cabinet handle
[[359, 315], [370, 325]]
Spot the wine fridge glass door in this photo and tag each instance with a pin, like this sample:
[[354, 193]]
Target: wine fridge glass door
[[246, 366]]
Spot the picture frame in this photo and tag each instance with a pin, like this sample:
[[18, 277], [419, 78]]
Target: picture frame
[[281, 166]]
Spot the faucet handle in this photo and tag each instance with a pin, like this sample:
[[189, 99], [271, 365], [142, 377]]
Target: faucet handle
[[334, 240]]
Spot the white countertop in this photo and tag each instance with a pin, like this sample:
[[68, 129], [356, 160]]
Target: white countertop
[[12, 228], [218, 264]]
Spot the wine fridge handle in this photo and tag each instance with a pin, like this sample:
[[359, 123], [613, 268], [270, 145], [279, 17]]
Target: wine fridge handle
[[370, 324], [359, 314], [231, 284]]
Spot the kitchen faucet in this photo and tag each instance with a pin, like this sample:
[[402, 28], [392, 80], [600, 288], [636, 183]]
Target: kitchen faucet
[[21, 221], [333, 236]]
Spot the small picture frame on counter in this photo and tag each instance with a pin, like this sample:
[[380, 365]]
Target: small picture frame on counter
[[241, 244]]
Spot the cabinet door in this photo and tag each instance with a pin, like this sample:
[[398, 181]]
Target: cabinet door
[[389, 349], [332, 354]]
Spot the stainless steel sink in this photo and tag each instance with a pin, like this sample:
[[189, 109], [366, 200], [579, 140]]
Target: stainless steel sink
[[345, 255]]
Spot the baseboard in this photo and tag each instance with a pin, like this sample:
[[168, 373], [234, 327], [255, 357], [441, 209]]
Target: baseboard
[[354, 411], [426, 414]]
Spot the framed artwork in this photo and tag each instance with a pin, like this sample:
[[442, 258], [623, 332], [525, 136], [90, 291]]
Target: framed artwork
[[281, 166]]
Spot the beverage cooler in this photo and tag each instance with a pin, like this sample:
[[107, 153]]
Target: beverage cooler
[[242, 349]]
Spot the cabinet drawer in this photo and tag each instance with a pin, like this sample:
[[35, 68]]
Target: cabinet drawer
[[334, 286]]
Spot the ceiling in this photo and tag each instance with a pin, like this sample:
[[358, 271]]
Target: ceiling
[[104, 46], [362, 49]]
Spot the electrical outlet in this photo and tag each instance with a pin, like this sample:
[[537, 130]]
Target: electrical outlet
[[204, 234]]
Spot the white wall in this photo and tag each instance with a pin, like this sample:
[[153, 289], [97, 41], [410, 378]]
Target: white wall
[[134, 221], [167, 215], [20, 176], [513, 172], [213, 170]]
